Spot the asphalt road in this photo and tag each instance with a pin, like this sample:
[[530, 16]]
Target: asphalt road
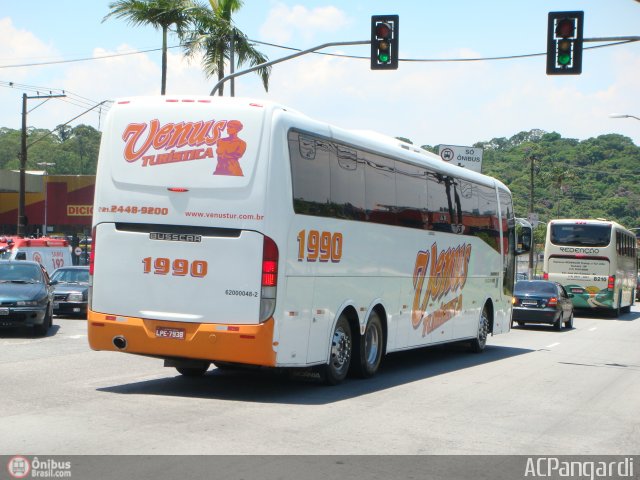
[[534, 391]]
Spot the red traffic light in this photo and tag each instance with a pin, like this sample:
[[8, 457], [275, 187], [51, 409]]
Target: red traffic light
[[565, 28], [383, 30]]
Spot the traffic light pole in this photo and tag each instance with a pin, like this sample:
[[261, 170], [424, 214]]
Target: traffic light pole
[[288, 57], [612, 39]]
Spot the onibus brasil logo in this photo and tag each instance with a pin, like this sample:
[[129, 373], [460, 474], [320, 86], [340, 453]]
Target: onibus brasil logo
[[20, 467]]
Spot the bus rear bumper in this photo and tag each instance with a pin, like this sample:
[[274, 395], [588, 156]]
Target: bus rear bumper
[[248, 344]]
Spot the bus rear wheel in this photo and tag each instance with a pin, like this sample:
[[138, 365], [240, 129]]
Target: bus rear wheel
[[198, 371], [336, 370], [371, 346]]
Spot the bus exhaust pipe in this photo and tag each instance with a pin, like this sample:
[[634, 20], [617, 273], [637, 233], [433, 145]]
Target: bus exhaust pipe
[[119, 342]]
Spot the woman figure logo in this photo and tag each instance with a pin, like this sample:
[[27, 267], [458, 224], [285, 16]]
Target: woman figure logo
[[229, 151]]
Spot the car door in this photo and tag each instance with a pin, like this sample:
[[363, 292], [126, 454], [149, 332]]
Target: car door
[[47, 283], [565, 301]]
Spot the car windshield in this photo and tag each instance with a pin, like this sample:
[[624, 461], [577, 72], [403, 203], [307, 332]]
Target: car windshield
[[20, 273], [535, 288], [71, 275]]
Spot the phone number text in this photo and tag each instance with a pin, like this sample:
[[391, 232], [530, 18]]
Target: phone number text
[[134, 210]]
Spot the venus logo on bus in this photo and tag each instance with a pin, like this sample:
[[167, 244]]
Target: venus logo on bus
[[169, 142], [447, 275]]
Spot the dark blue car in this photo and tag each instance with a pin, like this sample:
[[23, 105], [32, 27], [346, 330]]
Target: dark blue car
[[26, 296], [542, 301]]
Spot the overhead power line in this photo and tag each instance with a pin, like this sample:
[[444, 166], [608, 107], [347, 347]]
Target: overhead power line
[[284, 47]]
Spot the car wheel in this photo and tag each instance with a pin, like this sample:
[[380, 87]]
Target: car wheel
[[370, 348], [569, 323], [42, 330], [558, 324], [336, 370], [478, 343]]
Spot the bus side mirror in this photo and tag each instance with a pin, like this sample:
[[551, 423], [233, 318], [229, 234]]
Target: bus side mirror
[[524, 235]]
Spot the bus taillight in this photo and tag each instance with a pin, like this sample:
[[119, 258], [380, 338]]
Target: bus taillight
[[545, 275], [92, 253], [611, 282], [269, 278]]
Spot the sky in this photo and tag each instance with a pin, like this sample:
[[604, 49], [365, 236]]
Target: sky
[[50, 46]]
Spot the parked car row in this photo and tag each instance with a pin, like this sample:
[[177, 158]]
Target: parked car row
[[29, 297]]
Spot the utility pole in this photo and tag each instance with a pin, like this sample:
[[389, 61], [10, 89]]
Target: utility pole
[[23, 162], [22, 221], [533, 247]]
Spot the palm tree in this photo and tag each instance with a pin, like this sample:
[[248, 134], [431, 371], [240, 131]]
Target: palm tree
[[215, 37], [160, 14], [560, 177]]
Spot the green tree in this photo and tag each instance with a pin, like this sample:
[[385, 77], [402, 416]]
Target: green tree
[[560, 178], [160, 14], [215, 36]]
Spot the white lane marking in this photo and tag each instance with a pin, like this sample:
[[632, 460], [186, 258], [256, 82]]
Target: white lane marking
[[77, 336], [593, 329], [553, 345]]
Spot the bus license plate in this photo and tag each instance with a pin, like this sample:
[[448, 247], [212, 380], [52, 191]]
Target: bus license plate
[[166, 332]]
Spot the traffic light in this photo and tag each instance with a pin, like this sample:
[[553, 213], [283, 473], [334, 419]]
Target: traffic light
[[384, 42], [564, 43]]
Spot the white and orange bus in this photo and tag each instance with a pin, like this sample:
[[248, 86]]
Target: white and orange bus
[[594, 259], [238, 231]]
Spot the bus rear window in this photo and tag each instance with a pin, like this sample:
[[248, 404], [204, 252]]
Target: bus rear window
[[581, 235]]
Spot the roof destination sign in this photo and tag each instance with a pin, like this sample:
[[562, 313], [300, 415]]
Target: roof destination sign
[[467, 157]]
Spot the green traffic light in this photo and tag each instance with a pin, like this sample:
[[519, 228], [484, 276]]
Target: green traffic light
[[564, 59], [383, 57]]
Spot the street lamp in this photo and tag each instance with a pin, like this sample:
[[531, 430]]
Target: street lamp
[[45, 165], [622, 115]]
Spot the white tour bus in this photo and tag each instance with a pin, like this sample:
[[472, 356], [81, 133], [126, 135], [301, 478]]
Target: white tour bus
[[235, 231], [596, 260]]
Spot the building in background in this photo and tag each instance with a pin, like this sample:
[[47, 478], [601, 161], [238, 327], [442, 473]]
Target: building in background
[[69, 203]]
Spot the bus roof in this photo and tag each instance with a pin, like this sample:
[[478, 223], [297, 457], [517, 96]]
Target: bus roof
[[365, 139], [589, 221]]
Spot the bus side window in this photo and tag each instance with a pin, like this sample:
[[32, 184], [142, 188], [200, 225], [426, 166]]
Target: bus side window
[[21, 256]]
